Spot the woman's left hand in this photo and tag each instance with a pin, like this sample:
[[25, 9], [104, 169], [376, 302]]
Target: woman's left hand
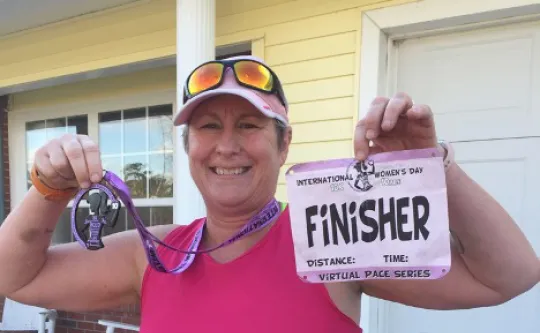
[[394, 124]]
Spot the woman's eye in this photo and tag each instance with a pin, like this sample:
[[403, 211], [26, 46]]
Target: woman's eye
[[210, 125], [247, 125]]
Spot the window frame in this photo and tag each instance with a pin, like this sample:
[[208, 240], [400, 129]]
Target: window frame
[[91, 107]]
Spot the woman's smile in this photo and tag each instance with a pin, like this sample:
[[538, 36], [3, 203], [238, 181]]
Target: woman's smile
[[237, 171]]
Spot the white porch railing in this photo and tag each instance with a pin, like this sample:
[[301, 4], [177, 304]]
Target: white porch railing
[[112, 325], [20, 317]]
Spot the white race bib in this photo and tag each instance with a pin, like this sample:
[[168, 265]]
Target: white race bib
[[383, 218]]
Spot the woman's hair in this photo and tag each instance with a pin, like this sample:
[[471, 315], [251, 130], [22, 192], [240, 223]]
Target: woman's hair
[[281, 131]]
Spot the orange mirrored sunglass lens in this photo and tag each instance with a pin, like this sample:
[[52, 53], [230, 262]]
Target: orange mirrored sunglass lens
[[205, 77], [254, 74]]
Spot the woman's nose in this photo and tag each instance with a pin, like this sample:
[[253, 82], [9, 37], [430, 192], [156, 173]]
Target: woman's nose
[[228, 143]]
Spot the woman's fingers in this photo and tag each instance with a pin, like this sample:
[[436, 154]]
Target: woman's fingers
[[69, 161], [46, 170], [93, 158], [361, 143], [59, 161], [396, 108], [77, 160], [374, 116]]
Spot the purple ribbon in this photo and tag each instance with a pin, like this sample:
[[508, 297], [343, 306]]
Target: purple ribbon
[[268, 214]]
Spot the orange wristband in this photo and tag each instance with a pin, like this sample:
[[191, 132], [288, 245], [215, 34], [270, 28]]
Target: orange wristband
[[49, 193]]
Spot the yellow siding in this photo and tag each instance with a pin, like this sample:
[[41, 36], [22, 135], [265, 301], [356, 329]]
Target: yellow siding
[[312, 44], [231, 7], [286, 12]]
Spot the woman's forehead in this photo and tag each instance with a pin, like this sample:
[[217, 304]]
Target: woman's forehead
[[226, 100], [227, 106]]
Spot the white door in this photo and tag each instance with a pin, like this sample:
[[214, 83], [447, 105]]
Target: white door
[[481, 84], [484, 87]]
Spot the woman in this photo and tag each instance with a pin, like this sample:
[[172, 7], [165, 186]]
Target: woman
[[237, 139]]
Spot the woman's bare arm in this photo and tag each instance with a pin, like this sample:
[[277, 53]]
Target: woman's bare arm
[[66, 276]]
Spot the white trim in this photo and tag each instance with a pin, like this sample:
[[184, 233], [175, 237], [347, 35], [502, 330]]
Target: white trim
[[111, 325], [195, 43], [372, 63], [152, 202], [441, 14], [382, 28]]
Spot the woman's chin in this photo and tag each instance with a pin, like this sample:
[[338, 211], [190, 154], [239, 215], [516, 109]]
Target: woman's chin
[[238, 202], [229, 200]]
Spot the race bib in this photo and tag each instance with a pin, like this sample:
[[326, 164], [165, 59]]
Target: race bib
[[382, 218]]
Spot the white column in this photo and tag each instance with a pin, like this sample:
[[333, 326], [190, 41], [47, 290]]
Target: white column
[[195, 43]]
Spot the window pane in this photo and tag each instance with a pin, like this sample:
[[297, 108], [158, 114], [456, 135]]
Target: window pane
[[162, 215], [36, 136], [110, 132], [144, 213], [113, 164], [78, 125], [161, 175], [135, 130], [55, 128], [129, 148], [135, 170], [28, 170], [160, 129]]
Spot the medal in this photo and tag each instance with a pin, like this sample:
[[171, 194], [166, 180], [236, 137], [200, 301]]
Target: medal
[[103, 212]]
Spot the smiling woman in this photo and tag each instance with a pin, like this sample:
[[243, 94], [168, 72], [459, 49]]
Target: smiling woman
[[242, 273]]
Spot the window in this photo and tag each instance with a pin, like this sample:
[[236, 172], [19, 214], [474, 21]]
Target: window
[[136, 144]]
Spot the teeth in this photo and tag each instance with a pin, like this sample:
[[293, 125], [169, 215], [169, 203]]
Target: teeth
[[234, 171]]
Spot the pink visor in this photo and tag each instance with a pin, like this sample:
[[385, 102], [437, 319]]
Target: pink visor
[[269, 104]]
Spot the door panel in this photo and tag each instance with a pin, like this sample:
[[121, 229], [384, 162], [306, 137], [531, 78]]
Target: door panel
[[481, 84], [508, 170]]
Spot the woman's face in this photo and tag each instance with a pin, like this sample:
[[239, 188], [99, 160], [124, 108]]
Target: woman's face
[[233, 153]]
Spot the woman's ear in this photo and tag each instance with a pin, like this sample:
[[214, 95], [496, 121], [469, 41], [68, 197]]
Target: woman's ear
[[287, 138]]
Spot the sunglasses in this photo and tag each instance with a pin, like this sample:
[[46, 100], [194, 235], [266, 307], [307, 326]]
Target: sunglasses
[[248, 73]]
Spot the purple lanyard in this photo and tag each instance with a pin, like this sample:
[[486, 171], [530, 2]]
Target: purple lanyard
[[96, 223]]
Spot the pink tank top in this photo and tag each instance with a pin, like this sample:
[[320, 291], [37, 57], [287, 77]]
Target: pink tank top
[[257, 292]]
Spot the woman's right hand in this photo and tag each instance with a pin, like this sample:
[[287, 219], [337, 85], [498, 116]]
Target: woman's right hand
[[70, 161]]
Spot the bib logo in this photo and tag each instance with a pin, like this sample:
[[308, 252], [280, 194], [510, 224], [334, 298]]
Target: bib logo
[[359, 172]]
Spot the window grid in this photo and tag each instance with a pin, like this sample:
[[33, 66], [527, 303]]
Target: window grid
[[148, 151], [153, 210]]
